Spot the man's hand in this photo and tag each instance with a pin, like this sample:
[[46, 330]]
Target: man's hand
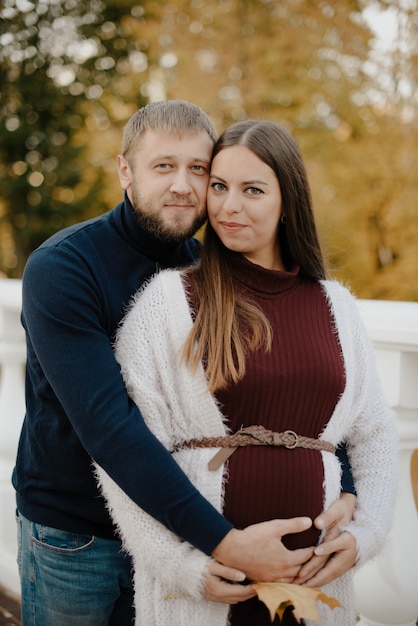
[[221, 585], [258, 550], [338, 551]]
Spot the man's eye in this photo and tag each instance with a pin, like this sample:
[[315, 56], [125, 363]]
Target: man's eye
[[163, 166], [199, 169]]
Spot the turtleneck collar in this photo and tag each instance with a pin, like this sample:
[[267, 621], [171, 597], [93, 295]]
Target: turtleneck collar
[[260, 279], [127, 223]]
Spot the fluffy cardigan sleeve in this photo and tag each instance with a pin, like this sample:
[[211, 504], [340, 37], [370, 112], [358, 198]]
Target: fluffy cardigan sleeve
[[176, 407], [364, 420]]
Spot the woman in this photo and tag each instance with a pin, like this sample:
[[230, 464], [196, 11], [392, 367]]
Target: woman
[[253, 336]]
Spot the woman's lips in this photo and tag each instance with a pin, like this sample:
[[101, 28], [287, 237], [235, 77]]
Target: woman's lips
[[232, 227]]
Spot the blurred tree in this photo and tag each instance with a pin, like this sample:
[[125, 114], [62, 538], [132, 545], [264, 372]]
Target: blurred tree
[[316, 67], [57, 62], [348, 96]]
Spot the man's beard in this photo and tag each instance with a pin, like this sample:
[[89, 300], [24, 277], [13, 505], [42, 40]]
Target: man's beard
[[175, 232]]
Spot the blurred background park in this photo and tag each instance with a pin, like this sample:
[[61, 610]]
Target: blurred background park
[[341, 75]]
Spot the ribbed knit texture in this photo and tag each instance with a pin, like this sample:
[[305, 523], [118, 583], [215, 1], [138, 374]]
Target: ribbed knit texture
[[178, 407], [295, 387]]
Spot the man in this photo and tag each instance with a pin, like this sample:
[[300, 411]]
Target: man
[[76, 287]]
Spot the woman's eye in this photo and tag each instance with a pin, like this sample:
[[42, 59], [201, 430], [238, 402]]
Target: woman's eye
[[254, 191], [218, 186]]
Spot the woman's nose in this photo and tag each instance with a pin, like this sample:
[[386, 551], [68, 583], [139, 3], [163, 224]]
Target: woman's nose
[[232, 203]]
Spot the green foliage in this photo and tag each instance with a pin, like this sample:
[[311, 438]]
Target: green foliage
[[55, 63]]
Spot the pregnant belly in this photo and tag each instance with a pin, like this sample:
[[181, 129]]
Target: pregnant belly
[[266, 483]]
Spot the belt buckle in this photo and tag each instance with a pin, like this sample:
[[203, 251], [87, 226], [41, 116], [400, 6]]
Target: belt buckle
[[294, 443]]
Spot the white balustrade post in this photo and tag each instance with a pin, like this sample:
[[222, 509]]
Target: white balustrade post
[[12, 410], [387, 588]]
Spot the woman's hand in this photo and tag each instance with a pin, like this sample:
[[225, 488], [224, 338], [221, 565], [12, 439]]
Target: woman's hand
[[340, 555], [338, 551], [222, 584]]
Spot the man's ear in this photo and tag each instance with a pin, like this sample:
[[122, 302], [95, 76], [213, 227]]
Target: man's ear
[[124, 171]]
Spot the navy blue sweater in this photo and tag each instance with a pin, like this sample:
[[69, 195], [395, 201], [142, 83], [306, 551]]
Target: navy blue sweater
[[76, 287]]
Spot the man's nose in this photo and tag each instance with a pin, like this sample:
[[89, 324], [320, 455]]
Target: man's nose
[[180, 183]]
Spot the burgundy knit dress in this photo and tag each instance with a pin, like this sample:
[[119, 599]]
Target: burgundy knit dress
[[294, 387]]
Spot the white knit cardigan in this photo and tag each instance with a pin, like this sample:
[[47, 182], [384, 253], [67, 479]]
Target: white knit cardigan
[[168, 572]]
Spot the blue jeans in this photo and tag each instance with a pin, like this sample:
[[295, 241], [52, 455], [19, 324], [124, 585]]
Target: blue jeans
[[72, 580]]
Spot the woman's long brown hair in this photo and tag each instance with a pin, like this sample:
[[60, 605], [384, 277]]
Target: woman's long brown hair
[[227, 326]]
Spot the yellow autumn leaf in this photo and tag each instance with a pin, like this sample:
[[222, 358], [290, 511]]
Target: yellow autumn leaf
[[281, 609], [278, 596]]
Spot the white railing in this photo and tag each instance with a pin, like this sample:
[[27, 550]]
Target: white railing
[[12, 410], [386, 589]]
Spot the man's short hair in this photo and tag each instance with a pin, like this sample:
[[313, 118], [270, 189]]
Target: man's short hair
[[168, 115]]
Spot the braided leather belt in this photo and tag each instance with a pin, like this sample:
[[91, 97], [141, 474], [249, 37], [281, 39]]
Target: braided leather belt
[[254, 436]]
